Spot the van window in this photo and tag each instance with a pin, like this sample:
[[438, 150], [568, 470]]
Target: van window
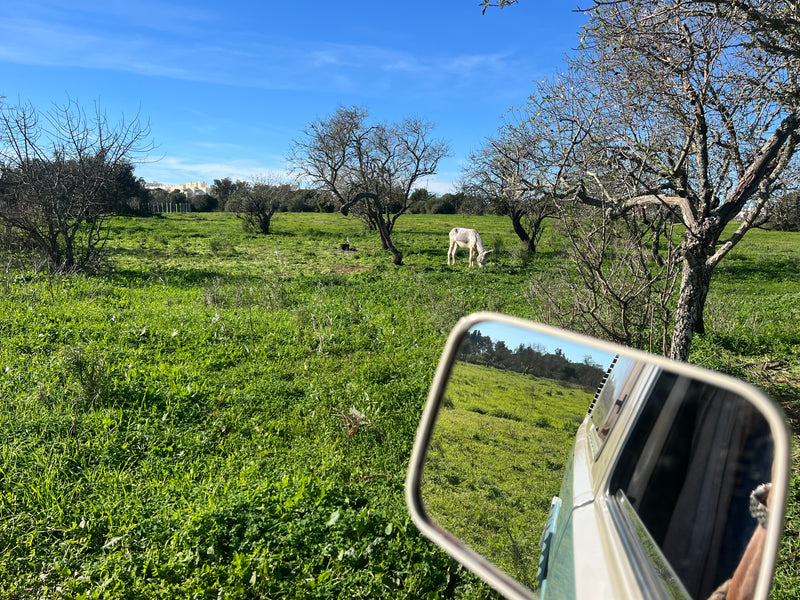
[[612, 395], [687, 469]]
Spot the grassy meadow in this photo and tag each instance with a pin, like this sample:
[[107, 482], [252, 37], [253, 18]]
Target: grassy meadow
[[224, 415], [497, 458]]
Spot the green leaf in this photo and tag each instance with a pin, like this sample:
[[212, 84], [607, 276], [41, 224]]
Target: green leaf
[[333, 519]]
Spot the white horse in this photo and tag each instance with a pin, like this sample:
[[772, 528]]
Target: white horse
[[467, 238]]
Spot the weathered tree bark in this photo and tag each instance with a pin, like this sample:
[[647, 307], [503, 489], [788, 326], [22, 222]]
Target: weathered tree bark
[[386, 241], [516, 225], [695, 283], [701, 254]]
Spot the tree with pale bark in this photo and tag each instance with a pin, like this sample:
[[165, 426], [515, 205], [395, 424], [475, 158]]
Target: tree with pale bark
[[370, 170], [705, 123], [688, 107]]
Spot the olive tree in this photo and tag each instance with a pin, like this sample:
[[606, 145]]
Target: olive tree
[[256, 201], [61, 174], [370, 170], [223, 189]]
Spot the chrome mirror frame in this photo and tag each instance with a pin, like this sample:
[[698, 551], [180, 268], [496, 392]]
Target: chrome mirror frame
[[504, 583]]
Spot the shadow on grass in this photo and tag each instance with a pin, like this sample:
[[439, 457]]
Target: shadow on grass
[[184, 277], [760, 269]]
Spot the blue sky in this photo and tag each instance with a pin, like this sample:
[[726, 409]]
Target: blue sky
[[226, 86], [514, 337]]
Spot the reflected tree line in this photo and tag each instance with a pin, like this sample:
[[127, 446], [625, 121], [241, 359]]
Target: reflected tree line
[[534, 360]]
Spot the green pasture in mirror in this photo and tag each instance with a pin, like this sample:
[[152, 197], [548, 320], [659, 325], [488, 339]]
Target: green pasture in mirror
[[558, 466]]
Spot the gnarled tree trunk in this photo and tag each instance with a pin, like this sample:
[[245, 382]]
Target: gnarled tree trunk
[[695, 282]]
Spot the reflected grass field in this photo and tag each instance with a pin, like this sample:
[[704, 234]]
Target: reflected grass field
[[497, 458]]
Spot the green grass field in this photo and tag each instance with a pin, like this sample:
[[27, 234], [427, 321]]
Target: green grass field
[[223, 415], [496, 460]]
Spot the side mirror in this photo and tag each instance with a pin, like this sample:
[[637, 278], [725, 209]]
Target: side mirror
[[556, 465]]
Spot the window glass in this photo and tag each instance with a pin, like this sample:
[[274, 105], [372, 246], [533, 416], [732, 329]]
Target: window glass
[[613, 394], [692, 459]]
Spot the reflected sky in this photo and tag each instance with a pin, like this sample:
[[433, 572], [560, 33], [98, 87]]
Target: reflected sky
[[513, 336]]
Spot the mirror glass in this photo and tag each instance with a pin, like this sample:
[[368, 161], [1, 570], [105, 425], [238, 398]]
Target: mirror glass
[[679, 459], [503, 434]]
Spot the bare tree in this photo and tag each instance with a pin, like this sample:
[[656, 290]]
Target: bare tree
[[702, 122], [687, 105], [506, 172], [370, 170], [59, 179], [677, 106], [619, 278], [256, 201], [486, 4], [618, 284], [771, 25], [785, 213]]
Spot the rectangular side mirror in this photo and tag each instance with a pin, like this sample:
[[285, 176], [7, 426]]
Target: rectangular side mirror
[[556, 465]]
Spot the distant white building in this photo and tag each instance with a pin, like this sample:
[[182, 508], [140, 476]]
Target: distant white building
[[191, 189]]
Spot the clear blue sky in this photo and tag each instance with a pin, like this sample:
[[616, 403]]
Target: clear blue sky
[[227, 85], [514, 337]]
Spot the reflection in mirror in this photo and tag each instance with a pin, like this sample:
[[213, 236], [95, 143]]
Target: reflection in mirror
[[507, 423], [675, 467], [697, 452]]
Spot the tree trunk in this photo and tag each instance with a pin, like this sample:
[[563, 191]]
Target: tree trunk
[[695, 282], [265, 220], [516, 225], [386, 241], [397, 256]]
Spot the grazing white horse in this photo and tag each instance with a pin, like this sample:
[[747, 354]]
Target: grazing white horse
[[467, 238]]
